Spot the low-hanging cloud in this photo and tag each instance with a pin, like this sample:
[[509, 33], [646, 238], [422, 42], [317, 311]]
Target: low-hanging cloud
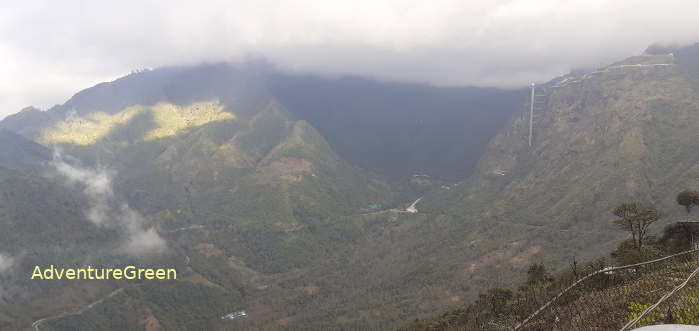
[[6, 263], [51, 49], [141, 238]]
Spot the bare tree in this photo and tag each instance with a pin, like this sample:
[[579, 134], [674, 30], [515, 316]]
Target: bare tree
[[647, 216], [626, 212], [636, 218]]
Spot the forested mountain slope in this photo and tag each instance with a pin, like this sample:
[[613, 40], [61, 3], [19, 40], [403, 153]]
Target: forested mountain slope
[[400, 129], [262, 208], [624, 132], [255, 208]]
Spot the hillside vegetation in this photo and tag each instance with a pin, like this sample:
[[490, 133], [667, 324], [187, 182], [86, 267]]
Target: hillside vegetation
[[264, 206], [593, 295], [626, 132]]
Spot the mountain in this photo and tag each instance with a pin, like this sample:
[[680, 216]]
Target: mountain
[[624, 132], [218, 168], [270, 194], [393, 129], [17, 152], [42, 223], [400, 129], [257, 208]]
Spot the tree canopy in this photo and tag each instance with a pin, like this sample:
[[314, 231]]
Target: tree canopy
[[688, 199]]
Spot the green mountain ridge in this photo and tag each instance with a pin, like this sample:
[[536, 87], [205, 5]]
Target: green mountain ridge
[[625, 132], [19, 153], [263, 213], [237, 187]]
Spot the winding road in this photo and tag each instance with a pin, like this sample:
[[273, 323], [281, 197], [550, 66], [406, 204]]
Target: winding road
[[37, 323]]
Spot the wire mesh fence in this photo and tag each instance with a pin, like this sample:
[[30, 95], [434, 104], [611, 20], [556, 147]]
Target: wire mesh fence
[[612, 298]]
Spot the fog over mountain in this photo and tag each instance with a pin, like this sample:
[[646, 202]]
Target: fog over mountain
[[49, 50], [5, 262], [105, 211], [348, 165]]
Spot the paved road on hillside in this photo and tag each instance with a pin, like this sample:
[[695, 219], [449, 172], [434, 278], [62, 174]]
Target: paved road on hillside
[[38, 323]]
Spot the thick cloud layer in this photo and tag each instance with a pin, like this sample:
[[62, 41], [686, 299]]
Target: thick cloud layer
[[51, 49]]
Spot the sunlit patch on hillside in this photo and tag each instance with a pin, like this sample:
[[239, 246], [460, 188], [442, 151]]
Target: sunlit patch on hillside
[[89, 129], [172, 119], [169, 120]]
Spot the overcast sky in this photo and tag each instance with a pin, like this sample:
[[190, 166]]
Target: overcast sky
[[51, 49]]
